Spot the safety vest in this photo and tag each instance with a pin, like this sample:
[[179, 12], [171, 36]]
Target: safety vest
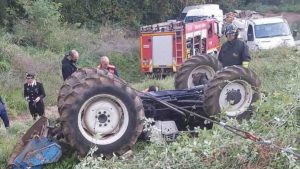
[[110, 68]]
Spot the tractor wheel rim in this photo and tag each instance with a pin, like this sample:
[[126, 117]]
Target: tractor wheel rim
[[210, 72], [234, 108], [103, 119]]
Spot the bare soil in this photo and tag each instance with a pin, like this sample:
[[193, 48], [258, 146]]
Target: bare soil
[[51, 112], [291, 17]]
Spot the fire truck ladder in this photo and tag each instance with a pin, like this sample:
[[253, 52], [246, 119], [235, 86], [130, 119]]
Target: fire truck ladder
[[178, 47]]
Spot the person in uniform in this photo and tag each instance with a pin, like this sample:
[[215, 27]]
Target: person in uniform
[[234, 51], [34, 94]]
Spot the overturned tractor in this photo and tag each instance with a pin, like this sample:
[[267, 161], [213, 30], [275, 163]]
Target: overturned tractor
[[102, 110]]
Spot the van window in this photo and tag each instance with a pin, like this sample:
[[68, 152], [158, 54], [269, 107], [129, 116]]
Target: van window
[[250, 35], [272, 30]]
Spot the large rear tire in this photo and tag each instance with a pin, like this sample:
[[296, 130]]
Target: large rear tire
[[191, 70], [98, 109], [232, 91]]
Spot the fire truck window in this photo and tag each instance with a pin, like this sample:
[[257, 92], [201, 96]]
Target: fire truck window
[[209, 30], [216, 28]]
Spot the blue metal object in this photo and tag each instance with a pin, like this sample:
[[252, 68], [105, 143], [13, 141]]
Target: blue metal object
[[37, 152]]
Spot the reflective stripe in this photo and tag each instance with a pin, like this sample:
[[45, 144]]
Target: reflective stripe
[[246, 64]]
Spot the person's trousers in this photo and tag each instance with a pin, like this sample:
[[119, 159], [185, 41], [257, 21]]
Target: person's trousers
[[4, 117], [37, 108]]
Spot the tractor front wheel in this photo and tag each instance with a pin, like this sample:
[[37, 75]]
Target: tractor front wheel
[[232, 91]]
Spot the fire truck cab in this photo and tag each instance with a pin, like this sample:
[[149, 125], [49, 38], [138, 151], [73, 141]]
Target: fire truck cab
[[165, 46]]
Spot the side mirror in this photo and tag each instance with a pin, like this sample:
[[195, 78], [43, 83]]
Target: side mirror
[[295, 33]]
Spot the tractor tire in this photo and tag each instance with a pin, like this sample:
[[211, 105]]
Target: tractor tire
[[186, 77], [98, 109], [232, 91]]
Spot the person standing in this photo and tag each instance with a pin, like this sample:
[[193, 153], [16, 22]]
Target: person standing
[[69, 64], [104, 64], [234, 51], [3, 113], [34, 94]]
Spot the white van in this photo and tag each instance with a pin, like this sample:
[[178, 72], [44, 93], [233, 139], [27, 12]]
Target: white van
[[265, 33]]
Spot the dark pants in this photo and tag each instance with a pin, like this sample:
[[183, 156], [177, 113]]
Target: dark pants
[[4, 117], [36, 108]]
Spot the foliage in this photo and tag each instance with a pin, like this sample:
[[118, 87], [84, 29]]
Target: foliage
[[43, 19]]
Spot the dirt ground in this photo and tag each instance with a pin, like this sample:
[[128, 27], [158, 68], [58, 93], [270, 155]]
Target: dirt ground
[[291, 17], [51, 112]]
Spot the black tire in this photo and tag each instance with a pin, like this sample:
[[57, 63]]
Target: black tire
[[195, 66], [233, 76], [99, 99]]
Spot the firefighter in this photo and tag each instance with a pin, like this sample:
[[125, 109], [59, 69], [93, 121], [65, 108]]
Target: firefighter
[[34, 94], [104, 64], [3, 113], [234, 51], [69, 64]]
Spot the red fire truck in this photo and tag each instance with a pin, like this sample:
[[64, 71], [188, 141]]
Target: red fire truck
[[165, 46]]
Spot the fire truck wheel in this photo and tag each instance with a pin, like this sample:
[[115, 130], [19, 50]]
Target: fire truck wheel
[[232, 91], [197, 70], [99, 110]]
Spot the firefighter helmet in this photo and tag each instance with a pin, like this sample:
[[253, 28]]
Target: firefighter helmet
[[231, 29]]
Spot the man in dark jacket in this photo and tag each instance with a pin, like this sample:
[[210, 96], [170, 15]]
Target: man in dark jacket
[[3, 113], [234, 51], [34, 94], [69, 64]]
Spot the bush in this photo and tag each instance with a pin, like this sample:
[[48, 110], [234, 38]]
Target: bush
[[43, 19]]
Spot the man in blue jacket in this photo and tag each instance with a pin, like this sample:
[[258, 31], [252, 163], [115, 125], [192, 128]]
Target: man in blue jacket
[[3, 113]]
